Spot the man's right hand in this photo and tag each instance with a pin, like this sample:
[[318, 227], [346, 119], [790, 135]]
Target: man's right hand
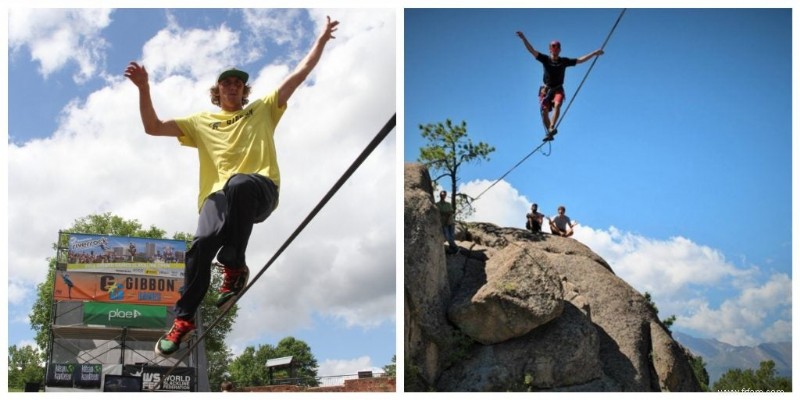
[[137, 74], [152, 125]]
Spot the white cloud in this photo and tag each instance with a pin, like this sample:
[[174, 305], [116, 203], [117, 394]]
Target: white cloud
[[743, 320], [726, 324], [681, 275], [778, 290], [57, 37], [282, 26], [355, 23], [346, 367], [99, 160], [199, 53], [780, 331], [658, 266], [18, 292], [502, 205]]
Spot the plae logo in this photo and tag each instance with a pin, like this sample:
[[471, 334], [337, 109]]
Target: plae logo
[[123, 314]]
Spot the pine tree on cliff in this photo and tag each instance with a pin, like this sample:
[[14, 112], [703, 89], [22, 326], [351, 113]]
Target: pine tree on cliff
[[448, 148]]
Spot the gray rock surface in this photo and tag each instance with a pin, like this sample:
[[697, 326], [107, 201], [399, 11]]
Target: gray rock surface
[[427, 292], [561, 353], [515, 311], [506, 298]]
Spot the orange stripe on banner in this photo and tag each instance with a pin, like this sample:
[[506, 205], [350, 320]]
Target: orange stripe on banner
[[116, 288]]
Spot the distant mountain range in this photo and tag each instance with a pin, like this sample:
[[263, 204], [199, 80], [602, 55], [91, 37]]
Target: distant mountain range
[[721, 357]]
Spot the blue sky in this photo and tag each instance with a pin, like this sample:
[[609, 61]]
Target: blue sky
[[76, 147], [675, 157]]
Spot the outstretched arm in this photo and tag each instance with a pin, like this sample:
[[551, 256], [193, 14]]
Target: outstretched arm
[[293, 81], [598, 52], [152, 125], [527, 45]]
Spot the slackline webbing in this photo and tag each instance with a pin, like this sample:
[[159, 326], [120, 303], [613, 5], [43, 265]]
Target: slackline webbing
[[387, 128], [563, 115]]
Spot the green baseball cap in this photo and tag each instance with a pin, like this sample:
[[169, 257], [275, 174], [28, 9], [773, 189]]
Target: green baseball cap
[[234, 72]]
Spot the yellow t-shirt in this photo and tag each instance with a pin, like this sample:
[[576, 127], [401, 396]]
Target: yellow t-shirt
[[229, 143]]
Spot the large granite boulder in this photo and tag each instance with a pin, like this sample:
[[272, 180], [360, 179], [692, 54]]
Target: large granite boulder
[[506, 298], [516, 311]]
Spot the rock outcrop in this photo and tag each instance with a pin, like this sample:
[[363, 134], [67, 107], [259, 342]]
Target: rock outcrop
[[427, 293], [514, 311], [507, 298]]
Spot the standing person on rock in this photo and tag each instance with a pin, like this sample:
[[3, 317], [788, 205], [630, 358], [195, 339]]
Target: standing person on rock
[[448, 217]]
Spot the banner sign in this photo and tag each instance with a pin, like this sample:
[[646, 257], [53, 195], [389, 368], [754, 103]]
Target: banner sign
[[122, 383], [116, 288], [125, 255], [125, 315], [85, 376], [179, 380], [60, 375]]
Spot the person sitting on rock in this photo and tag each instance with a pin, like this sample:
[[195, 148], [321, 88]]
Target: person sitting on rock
[[534, 223], [561, 225]]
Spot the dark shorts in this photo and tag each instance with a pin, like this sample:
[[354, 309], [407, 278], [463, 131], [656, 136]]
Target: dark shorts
[[548, 97]]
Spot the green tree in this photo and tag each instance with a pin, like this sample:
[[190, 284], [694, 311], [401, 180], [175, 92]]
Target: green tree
[[390, 370], [306, 363], [218, 363], [699, 369], [249, 368], [24, 365], [764, 379], [108, 224], [447, 150], [667, 322]]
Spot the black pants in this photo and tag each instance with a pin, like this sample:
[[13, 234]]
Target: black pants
[[226, 221], [534, 226]]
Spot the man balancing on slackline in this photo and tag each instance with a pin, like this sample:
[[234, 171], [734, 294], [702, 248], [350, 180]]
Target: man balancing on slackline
[[551, 93], [239, 177]]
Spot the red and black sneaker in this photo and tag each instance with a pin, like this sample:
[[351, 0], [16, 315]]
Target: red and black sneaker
[[233, 281], [171, 342]]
